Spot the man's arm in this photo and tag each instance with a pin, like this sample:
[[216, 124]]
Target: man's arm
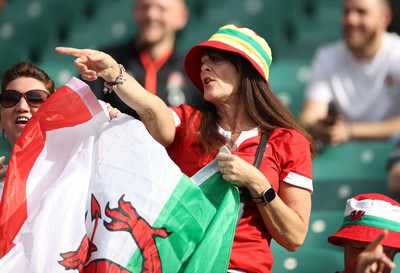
[[377, 130], [312, 117], [334, 130]]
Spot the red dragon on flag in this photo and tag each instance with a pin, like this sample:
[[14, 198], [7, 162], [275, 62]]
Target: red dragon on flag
[[123, 218]]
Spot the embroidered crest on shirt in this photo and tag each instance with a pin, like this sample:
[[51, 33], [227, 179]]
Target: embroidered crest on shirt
[[389, 83], [175, 84]]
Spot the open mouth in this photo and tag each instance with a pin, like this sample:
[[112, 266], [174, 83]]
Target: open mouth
[[207, 80], [22, 120]]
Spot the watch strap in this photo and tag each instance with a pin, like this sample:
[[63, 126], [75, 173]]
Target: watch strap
[[259, 199]]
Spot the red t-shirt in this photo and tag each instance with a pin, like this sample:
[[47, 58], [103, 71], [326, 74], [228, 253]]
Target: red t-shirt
[[287, 159]]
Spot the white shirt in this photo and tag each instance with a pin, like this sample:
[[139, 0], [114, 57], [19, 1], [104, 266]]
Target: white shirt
[[361, 90], [244, 135]]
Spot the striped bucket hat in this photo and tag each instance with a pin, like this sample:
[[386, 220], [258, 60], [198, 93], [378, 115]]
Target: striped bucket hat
[[242, 41], [366, 216]]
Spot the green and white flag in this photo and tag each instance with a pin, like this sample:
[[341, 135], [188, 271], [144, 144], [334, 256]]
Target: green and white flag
[[90, 195]]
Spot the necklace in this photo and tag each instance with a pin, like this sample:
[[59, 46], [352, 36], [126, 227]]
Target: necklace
[[231, 140]]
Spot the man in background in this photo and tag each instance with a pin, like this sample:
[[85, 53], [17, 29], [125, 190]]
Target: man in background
[[151, 56], [354, 90]]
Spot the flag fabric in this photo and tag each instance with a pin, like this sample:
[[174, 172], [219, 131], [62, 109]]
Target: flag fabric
[[89, 195]]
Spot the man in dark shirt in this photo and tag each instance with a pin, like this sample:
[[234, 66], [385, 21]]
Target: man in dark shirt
[[151, 56]]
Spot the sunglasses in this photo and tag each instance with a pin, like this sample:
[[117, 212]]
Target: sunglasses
[[35, 98]]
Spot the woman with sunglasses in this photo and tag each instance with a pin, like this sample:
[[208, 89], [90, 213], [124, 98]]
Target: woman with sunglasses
[[24, 88]]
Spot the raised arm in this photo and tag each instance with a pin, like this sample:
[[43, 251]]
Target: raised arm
[[152, 111]]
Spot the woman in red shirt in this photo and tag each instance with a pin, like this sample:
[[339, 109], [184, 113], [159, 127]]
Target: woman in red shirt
[[232, 70]]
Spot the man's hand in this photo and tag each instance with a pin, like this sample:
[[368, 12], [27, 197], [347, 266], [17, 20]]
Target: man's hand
[[339, 132], [373, 259], [3, 168], [332, 132]]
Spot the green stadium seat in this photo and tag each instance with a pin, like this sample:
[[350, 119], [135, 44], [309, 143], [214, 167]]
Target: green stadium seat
[[32, 35], [397, 262], [323, 224], [201, 28], [347, 170], [60, 72], [306, 260], [199, 8], [309, 38], [355, 160], [48, 54], [111, 24], [36, 23], [288, 79], [11, 54], [323, 26], [59, 12], [5, 148], [248, 14], [332, 195]]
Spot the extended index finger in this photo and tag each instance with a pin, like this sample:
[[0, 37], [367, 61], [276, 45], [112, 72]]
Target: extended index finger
[[377, 240], [69, 51]]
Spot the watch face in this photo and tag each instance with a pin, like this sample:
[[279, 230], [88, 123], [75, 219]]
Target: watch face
[[269, 195]]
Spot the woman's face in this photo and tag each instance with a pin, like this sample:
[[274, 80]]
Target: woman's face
[[14, 119], [221, 79]]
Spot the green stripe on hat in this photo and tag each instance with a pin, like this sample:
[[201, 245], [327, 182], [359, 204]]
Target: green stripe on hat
[[238, 34], [372, 221]]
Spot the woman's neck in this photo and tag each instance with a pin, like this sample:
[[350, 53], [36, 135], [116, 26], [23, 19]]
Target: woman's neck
[[235, 120]]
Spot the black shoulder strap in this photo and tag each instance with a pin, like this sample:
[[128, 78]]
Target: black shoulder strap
[[261, 149], [244, 193]]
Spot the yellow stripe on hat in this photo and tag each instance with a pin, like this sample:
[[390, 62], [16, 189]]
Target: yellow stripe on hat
[[248, 42]]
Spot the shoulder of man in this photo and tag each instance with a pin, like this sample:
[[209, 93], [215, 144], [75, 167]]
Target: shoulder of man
[[121, 51], [177, 56], [393, 39], [332, 48]]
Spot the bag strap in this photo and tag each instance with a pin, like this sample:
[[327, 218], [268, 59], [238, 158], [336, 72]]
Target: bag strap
[[244, 193], [261, 149]]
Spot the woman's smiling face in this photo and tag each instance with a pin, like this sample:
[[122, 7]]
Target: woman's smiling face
[[14, 119]]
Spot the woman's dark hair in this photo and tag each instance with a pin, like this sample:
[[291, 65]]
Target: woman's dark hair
[[262, 105], [28, 70]]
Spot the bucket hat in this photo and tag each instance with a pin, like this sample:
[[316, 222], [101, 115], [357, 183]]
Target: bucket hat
[[366, 216], [240, 40]]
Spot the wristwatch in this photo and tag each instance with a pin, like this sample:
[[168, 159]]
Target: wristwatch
[[267, 196]]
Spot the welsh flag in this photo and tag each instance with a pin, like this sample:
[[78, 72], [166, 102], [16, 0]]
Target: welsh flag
[[85, 194]]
